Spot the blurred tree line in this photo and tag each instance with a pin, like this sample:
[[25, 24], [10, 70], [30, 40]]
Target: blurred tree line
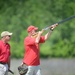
[[17, 15]]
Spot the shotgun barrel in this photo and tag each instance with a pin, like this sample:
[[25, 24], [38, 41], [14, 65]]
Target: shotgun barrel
[[61, 21]]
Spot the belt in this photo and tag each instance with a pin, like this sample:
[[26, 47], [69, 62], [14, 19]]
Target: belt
[[2, 63]]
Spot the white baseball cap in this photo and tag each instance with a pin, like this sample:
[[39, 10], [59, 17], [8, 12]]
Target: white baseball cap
[[5, 33]]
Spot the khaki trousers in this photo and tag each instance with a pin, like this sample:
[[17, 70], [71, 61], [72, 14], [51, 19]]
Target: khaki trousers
[[3, 69], [33, 70]]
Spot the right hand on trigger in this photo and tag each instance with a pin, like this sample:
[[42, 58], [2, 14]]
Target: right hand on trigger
[[40, 32]]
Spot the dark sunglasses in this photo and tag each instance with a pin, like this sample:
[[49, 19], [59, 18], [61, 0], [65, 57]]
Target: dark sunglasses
[[9, 35]]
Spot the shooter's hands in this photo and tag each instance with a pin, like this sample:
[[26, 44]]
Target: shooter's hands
[[53, 26]]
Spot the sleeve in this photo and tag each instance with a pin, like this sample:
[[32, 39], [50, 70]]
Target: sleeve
[[29, 41], [0, 48], [42, 39], [9, 50]]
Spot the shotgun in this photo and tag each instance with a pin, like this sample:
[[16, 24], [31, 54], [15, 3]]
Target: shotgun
[[10, 71], [69, 18]]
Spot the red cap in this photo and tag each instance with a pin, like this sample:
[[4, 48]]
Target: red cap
[[30, 28]]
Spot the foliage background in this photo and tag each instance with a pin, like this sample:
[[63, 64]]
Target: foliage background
[[17, 15]]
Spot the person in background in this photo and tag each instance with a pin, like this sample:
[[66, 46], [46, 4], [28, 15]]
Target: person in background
[[32, 48], [5, 52]]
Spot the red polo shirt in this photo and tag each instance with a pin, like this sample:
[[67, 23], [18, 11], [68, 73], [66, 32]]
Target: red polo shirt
[[32, 51], [4, 52]]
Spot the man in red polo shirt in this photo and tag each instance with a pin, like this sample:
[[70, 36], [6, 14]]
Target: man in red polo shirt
[[32, 50], [5, 52]]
